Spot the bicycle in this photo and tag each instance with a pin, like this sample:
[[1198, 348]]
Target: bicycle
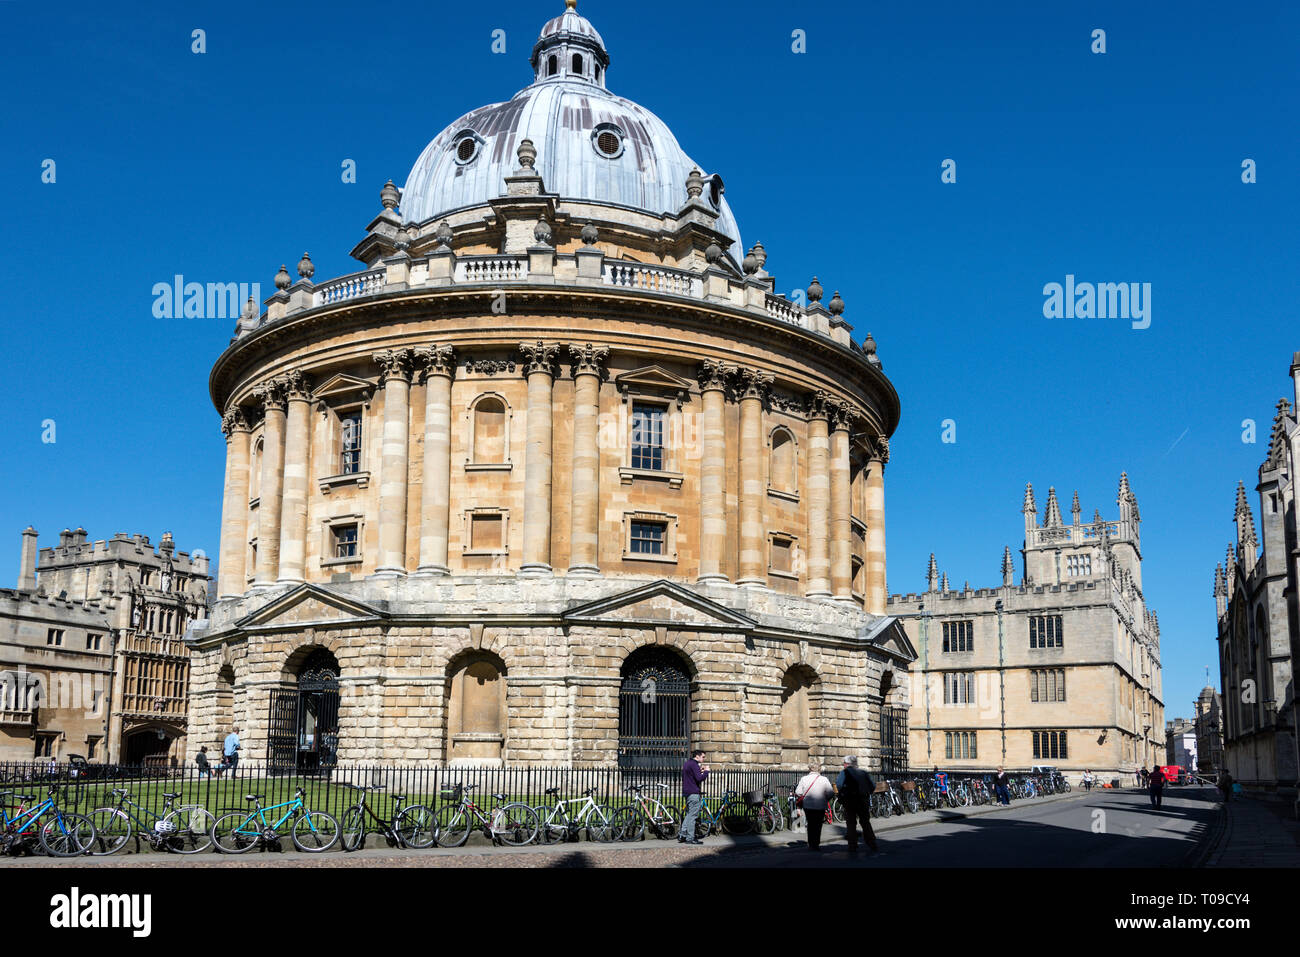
[[770, 817], [181, 830], [241, 831], [514, 824], [410, 826], [67, 834], [629, 822], [731, 817], [558, 825]]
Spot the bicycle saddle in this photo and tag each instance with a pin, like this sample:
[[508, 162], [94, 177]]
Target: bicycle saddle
[[500, 797], [169, 794], [552, 791], [399, 797], [253, 797]]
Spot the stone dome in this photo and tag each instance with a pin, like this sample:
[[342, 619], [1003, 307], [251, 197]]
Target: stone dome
[[592, 145]]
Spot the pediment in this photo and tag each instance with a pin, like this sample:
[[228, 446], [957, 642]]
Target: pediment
[[888, 636], [661, 603], [655, 380], [310, 605], [341, 386]]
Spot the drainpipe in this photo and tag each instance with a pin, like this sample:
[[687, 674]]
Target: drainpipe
[[925, 680], [1002, 682]]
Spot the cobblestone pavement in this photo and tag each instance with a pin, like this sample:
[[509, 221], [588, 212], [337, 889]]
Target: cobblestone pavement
[[1257, 832]]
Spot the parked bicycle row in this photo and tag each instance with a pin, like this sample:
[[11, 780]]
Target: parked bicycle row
[[32, 824]]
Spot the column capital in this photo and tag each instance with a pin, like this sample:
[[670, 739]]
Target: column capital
[[841, 415], [540, 357], [589, 359], [818, 405], [394, 364], [235, 420], [754, 384], [272, 394], [714, 375], [297, 386], [880, 449], [436, 360]]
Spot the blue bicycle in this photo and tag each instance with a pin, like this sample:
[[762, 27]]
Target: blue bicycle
[[62, 834], [241, 831]]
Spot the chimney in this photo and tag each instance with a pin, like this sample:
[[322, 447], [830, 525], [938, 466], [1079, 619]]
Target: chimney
[[79, 536], [27, 566]]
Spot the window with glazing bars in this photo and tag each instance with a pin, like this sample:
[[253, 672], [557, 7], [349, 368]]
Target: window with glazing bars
[[959, 687], [958, 636], [345, 541], [1047, 684], [648, 436], [1045, 631], [648, 538], [959, 745], [1050, 744], [351, 444]]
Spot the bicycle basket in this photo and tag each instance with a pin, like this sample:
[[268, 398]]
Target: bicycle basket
[[909, 785], [753, 798], [453, 794]]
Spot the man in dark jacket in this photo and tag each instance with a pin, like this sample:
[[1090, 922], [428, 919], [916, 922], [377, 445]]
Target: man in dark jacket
[[1001, 786], [855, 788], [693, 775], [1157, 782], [1225, 785]]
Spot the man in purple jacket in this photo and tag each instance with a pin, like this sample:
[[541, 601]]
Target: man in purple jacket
[[693, 775]]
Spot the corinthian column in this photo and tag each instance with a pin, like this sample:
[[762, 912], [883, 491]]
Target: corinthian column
[[713, 469], [588, 371], [272, 395], [293, 524], [841, 508], [539, 369], [876, 587], [819, 497], [395, 380], [435, 504], [234, 506], [754, 387]]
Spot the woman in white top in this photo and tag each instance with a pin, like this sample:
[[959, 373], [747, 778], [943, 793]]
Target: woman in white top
[[816, 791]]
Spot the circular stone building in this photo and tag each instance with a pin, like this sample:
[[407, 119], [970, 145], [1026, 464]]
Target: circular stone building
[[557, 478]]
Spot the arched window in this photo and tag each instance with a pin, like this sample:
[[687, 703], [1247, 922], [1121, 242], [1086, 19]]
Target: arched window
[[552, 65], [225, 716], [781, 471], [476, 712], [255, 471], [577, 64], [490, 431], [654, 712]]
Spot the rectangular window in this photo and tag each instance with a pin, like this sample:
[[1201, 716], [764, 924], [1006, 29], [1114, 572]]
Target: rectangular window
[[959, 687], [54, 637], [959, 745], [345, 541], [45, 745], [648, 436], [1045, 631], [781, 548], [648, 538], [92, 746], [1050, 745], [93, 642], [350, 444], [1047, 684], [485, 532], [958, 636]]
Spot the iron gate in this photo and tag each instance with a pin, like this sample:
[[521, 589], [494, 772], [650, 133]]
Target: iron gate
[[654, 711], [893, 739], [304, 722]]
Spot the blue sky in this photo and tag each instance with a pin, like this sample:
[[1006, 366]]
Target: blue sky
[[1115, 167]]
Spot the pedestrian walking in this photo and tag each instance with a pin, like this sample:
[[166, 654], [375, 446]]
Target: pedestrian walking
[[231, 748], [1001, 787], [1225, 785], [1157, 785], [814, 794], [855, 788], [205, 769], [1087, 779], [693, 775]]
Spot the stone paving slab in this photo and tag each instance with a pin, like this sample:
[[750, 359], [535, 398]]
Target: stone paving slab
[[1258, 832]]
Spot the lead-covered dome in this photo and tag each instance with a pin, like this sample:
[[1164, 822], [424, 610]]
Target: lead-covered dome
[[591, 145]]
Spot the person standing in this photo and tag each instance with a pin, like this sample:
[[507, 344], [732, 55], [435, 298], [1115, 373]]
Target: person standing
[[1087, 779], [855, 788], [1225, 785], [814, 794], [693, 775], [1157, 784], [205, 770], [1001, 787], [231, 748]]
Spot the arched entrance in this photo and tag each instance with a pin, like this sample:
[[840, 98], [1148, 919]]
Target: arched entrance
[[654, 709], [304, 725], [149, 745], [893, 728]]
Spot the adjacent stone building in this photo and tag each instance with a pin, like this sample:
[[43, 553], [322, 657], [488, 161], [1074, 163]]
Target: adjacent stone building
[[1061, 670], [92, 659], [558, 477], [1180, 744], [1258, 620], [1209, 732]]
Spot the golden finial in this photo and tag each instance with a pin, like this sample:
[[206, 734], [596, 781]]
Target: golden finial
[[571, 4]]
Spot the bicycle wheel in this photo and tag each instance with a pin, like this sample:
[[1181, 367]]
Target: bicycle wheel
[[354, 828], [837, 811], [236, 832], [600, 825], [315, 831], [912, 802], [453, 826], [665, 823], [193, 833], [628, 824], [515, 824], [416, 826], [67, 834], [113, 828], [738, 819], [553, 826], [765, 820]]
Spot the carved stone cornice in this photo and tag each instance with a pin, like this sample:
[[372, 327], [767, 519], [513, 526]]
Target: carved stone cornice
[[715, 376], [789, 404], [297, 387], [589, 359], [272, 395], [540, 357], [436, 360], [482, 366], [235, 420], [394, 364]]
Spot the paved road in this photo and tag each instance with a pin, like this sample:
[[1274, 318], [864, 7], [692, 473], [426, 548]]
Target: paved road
[[1100, 829]]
